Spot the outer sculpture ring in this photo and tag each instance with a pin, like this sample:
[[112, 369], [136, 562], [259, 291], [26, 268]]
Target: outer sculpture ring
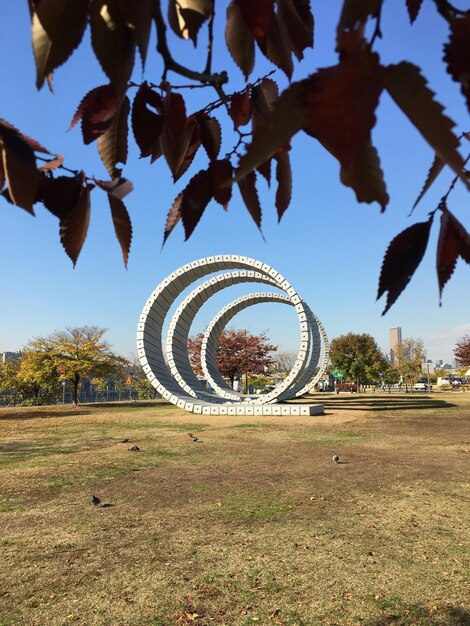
[[166, 363]]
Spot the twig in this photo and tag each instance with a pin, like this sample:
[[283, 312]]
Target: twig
[[377, 31], [60, 167], [448, 11], [170, 65], [210, 41], [453, 183]]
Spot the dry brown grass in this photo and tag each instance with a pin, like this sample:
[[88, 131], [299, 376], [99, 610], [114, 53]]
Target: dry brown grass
[[252, 524]]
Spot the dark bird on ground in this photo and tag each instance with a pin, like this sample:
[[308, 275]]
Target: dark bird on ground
[[95, 500], [134, 449], [335, 458], [125, 441], [190, 435], [194, 439]]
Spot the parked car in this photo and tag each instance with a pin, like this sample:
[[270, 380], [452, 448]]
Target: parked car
[[456, 381], [443, 381], [420, 386], [352, 387]]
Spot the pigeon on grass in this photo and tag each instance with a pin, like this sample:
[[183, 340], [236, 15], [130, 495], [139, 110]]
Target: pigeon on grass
[[335, 458], [95, 500], [134, 449]]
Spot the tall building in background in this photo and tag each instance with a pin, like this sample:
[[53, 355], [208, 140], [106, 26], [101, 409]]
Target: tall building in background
[[9, 356], [395, 341]]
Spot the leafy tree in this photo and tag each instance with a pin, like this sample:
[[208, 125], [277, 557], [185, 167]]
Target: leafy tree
[[359, 357], [37, 375], [408, 359], [140, 382], [78, 353], [9, 378], [238, 353], [462, 351], [284, 361], [336, 106]]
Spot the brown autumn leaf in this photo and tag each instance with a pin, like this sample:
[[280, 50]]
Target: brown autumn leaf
[[264, 96], [403, 256], [117, 188], [32, 143], [276, 46], [74, 225], [174, 139], [457, 54], [210, 134], [257, 15], [196, 196], [173, 217], [122, 225], [336, 105], [240, 42], [454, 241], [147, 125], [19, 167], [434, 171], [284, 179], [265, 170], [96, 111], [57, 30], [187, 16], [240, 108], [364, 174], [60, 195], [247, 186], [192, 130], [340, 105], [112, 145], [112, 42], [138, 17], [286, 118], [298, 20], [53, 164], [409, 89], [413, 7], [221, 172], [356, 12]]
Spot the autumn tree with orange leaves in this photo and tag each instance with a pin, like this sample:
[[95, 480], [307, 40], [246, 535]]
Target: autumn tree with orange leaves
[[238, 353], [336, 106], [462, 351]]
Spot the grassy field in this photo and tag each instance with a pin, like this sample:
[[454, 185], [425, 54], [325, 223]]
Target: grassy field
[[253, 523]]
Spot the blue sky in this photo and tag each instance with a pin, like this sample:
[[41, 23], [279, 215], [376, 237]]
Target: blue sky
[[327, 245]]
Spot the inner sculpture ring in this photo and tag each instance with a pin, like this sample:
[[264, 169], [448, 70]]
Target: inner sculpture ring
[[166, 363]]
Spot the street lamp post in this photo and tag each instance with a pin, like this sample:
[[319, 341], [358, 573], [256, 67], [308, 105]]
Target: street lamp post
[[63, 392]]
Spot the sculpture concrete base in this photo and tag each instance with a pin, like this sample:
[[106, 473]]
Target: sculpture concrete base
[[243, 408]]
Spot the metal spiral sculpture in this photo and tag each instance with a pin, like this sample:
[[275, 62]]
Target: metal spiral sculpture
[[166, 361]]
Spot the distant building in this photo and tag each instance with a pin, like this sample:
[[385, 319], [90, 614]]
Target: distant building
[[439, 363], [9, 356], [395, 341], [428, 367]]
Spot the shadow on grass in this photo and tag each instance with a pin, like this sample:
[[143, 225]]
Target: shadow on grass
[[29, 413], [421, 616], [131, 405], [367, 403]]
